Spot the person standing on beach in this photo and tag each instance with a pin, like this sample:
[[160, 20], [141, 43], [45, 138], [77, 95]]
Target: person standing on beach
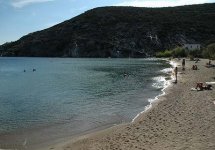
[[176, 74], [183, 64]]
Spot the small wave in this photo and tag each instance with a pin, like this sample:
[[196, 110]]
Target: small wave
[[166, 70], [169, 70], [173, 64], [160, 82]]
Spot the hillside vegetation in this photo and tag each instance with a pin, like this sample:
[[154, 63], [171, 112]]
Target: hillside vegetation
[[120, 32], [206, 52]]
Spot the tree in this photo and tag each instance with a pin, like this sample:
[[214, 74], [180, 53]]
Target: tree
[[209, 52], [179, 52]]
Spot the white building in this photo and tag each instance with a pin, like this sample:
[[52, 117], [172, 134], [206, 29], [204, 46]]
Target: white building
[[192, 46]]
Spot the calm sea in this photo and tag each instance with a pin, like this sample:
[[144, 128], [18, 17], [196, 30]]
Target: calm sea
[[67, 96]]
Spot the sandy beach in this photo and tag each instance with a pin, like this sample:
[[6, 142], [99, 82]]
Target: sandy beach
[[180, 120]]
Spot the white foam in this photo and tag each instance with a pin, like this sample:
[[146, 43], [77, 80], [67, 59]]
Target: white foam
[[173, 64], [167, 70], [160, 82]]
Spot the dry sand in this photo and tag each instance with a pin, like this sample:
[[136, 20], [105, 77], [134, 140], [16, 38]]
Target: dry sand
[[180, 120]]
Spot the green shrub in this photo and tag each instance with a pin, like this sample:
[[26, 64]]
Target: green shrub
[[195, 53], [166, 53], [179, 52], [209, 51], [191, 57]]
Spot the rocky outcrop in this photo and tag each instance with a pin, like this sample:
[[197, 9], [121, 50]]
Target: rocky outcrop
[[120, 32]]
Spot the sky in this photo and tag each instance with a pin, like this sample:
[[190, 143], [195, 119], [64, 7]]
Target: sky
[[20, 17]]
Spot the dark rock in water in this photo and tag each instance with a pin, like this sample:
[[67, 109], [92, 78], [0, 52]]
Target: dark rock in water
[[120, 32]]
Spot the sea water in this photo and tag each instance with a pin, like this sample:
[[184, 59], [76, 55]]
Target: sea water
[[68, 96]]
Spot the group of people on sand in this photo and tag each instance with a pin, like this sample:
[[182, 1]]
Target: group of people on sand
[[199, 85], [208, 65], [194, 67]]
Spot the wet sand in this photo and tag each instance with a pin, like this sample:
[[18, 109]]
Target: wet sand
[[181, 120]]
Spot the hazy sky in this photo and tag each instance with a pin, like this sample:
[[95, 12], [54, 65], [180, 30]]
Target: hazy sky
[[20, 17]]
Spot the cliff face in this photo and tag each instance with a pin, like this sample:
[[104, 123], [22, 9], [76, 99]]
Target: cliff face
[[120, 32]]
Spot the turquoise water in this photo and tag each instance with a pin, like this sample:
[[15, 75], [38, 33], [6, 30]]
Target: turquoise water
[[74, 95]]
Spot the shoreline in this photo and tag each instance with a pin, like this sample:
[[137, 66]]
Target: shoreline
[[181, 119], [152, 101], [167, 85]]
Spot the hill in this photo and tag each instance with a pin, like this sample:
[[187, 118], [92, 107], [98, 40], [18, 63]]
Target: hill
[[120, 32]]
